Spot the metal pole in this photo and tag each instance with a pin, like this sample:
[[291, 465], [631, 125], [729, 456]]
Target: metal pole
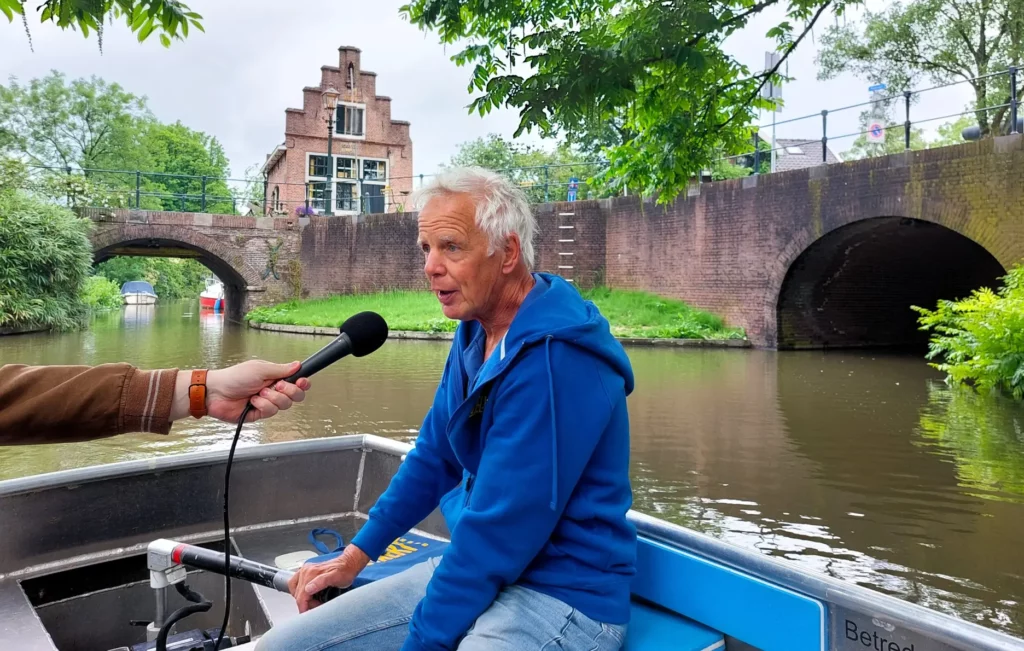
[[546, 195], [307, 198], [757, 154], [906, 125], [203, 209], [266, 182], [421, 180], [824, 136], [328, 206], [138, 189], [1013, 100], [773, 140]]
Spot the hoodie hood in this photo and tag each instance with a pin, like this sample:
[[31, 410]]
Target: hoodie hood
[[554, 310]]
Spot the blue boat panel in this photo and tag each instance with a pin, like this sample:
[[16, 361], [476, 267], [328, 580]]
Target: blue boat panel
[[652, 629], [754, 611]]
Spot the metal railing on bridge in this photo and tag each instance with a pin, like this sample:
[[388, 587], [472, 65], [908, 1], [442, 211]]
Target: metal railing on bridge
[[1005, 114]]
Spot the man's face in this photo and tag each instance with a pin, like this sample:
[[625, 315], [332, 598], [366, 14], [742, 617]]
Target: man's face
[[461, 273]]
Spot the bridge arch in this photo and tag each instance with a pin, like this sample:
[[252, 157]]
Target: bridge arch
[[853, 286], [176, 242]]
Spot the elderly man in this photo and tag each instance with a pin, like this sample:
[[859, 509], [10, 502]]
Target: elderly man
[[525, 450]]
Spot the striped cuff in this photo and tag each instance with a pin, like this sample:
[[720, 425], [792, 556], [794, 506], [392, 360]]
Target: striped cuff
[[146, 402]]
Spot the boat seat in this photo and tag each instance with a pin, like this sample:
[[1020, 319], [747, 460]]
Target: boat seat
[[653, 628], [737, 604]]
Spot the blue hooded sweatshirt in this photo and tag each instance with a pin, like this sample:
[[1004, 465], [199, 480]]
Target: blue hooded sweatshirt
[[527, 454]]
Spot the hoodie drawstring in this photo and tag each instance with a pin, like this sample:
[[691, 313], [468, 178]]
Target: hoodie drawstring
[[554, 431]]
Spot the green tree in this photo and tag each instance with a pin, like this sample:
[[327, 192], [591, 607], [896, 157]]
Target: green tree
[[941, 40], [951, 133], [543, 174], [90, 126], [657, 67], [184, 156], [45, 257], [169, 19], [83, 123]]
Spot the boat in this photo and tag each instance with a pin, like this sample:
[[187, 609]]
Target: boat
[[212, 298], [138, 292], [82, 553]]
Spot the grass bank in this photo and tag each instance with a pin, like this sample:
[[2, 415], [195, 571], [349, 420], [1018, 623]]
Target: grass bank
[[631, 314]]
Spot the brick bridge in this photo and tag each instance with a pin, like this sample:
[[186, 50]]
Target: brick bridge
[[255, 258], [831, 256]]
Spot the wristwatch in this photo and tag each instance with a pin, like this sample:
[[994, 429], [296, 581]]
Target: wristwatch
[[197, 393]]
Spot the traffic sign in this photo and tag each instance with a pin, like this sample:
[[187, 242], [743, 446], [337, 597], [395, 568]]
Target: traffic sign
[[574, 184], [876, 88], [876, 132]]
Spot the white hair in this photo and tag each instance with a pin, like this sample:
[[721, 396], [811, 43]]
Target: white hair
[[501, 207]]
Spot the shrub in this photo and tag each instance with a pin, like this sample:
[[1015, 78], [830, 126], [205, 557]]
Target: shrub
[[979, 340], [100, 293], [45, 257]]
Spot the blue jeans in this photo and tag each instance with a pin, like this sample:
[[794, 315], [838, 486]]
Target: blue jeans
[[376, 617]]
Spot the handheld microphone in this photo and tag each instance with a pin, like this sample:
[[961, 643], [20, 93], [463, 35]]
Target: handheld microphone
[[361, 334]]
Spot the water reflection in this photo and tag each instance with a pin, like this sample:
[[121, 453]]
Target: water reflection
[[983, 436], [862, 466]]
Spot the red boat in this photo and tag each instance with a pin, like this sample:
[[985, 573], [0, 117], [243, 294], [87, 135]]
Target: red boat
[[212, 297]]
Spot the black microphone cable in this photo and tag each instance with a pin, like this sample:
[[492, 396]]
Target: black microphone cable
[[361, 335], [227, 525]]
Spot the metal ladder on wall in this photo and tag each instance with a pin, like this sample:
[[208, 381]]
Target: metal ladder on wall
[[566, 244]]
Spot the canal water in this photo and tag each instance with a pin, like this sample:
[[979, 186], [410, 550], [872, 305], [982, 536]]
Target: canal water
[[863, 466]]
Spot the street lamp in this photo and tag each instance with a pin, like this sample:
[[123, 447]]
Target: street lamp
[[330, 100]]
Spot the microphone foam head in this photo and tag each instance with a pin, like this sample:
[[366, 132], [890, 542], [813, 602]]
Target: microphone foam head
[[367, 331]]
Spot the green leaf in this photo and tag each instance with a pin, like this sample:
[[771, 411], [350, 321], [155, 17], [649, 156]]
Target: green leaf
[[146, 30], [165, 40]]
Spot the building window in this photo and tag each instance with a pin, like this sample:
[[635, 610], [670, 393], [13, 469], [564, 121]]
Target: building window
[[373, 198], [276, 199], [347, 198], [318, 166], [350, 120], [346, 168], [351, 83], [375, 170], [316, 195]]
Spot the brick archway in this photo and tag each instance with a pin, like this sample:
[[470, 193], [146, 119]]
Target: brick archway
[[855, 285], [172, 241]]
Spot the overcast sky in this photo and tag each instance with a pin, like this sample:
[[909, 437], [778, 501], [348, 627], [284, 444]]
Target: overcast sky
[[236, 80]]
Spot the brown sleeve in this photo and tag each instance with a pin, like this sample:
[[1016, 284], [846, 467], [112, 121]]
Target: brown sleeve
[[60, 404]]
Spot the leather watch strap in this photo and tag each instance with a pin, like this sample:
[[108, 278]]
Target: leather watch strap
[[197, 393]]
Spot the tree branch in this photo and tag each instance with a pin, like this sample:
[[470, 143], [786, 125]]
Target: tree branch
[[778, 64]]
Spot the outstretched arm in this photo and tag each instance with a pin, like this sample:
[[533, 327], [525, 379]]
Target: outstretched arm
[[62, 404]]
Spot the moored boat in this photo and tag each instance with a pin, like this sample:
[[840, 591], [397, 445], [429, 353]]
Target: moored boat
[[212, 298], [138, 292], [74, 575]]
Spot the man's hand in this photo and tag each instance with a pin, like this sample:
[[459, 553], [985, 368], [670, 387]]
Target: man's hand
[[229, 389], [314, 577]]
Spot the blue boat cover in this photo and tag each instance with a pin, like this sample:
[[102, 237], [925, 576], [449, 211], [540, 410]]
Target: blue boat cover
[[137, 287]]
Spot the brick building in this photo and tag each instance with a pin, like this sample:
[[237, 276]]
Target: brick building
[[372, 153]]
